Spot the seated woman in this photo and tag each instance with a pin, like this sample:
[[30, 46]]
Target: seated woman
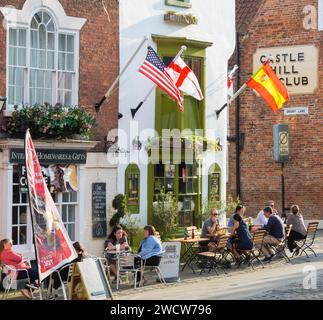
[[150, 249], [240, 239], [298, 231], [117, 237], [11, 258]]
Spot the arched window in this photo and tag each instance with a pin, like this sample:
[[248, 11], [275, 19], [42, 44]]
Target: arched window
[[215, 183], [133, 188], [42, 56]]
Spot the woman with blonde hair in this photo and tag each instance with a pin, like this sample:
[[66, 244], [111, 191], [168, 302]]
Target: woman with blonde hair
[[11, 258]]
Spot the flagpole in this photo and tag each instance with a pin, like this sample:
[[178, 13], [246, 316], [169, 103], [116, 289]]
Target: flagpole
[[32, 219], [243, 88], [135, 110], [108, 93]]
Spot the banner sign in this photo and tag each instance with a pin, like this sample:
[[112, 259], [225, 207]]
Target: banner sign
[[52, 243], [169, 264], [99, 218], [45, 156]]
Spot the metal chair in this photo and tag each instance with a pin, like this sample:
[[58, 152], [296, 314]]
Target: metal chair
[[64, 281], [10, 281], [126, 264], [155, 268], [307, 243]]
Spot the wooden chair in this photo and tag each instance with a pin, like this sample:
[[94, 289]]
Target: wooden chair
[[258, 241], [280, 248], [212, 259], [307, 243]]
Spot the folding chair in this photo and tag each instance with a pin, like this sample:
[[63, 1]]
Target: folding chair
[[258, 241], [211, 261], [280, 248], [126, 264], [307, 243]]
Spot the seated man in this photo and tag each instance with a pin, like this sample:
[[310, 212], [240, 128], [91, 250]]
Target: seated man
[[261, 218], [210, 227], [276, 232]]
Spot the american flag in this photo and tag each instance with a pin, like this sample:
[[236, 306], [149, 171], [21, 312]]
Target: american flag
[[154, 69]]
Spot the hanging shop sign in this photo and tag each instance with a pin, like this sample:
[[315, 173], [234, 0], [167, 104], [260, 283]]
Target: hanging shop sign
[[99, 218], [46, 156], [296, 66]]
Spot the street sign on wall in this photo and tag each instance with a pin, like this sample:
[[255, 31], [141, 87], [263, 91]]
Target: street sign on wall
[[281, 143]]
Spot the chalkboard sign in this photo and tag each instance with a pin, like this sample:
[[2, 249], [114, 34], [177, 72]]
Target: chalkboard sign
[[99, 217], [89, 281]]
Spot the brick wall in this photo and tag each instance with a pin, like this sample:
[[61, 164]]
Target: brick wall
[[99, 57], [279, 23]]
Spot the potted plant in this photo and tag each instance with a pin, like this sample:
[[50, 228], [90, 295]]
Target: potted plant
[[165, 213]]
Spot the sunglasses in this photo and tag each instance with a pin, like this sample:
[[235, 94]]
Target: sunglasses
[[214, 214]]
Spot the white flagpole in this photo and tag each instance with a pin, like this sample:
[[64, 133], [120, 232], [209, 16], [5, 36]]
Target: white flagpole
[[115, 82]]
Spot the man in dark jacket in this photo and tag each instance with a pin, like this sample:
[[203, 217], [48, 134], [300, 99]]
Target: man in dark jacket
[[276, 232]]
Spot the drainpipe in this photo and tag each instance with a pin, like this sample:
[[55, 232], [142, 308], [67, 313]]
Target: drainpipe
[[237, 119]]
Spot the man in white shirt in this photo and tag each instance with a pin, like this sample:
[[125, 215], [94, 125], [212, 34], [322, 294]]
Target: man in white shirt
[[261, 219]]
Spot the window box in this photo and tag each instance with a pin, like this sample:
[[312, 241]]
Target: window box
[[177, 3], [181, 18], [46, 121]]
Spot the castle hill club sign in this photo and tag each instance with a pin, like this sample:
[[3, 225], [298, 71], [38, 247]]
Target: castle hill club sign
[[296, 66]]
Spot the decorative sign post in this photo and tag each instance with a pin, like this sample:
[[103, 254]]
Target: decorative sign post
[[99, 218], [282, 153]]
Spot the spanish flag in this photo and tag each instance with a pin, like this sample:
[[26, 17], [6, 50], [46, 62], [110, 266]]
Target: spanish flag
[[270, 88]]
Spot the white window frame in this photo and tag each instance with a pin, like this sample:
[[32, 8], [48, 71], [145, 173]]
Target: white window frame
[[15, 18], [320, 15], [59, 205]]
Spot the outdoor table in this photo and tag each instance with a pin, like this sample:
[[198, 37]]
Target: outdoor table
[[190, 253]]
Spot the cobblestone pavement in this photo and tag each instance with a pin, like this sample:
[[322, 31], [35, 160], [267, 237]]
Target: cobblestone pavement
[[294, 291]]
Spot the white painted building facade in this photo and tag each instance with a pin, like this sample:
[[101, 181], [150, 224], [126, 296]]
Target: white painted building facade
[[215, 31]]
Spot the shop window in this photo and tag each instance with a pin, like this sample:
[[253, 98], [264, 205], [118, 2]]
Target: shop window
[[20, 211], [67, 204], [215, 183], [64, 191], [41, 65], [133, 188]]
